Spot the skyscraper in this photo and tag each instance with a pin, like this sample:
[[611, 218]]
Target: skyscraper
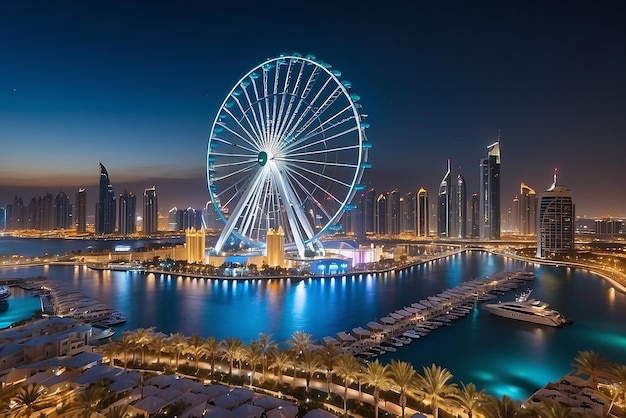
[[150, 211], [62, 211], [490, 193], [444, 204], [515, 216], [421, 213], [527, 211], [460, 208], [80, 211], [105, 208], [475, 205], [408, 213], [127, 213], [393, 212], [381, 214], [555, 222], [369, 211]]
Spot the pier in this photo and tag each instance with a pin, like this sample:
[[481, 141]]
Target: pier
[[424, 316]]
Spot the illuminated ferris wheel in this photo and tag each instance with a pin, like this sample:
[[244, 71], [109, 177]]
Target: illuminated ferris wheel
[[287, 150]]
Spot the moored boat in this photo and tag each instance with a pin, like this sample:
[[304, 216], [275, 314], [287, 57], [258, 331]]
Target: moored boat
[[528, 310]]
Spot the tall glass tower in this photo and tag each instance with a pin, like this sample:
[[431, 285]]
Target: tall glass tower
[[527, 211], [444, 204], [490, 193], [150, 211], [460, 208], [555, 222], [128, 213], [105, 208], [81, 211], [421, 213]]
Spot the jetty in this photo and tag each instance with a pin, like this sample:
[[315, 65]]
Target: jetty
[[417, 320]]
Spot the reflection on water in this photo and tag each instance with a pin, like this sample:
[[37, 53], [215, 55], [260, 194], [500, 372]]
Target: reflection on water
[[503, 356]]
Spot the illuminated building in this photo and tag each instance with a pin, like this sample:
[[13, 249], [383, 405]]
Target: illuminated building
[[62, 211], [475, 208], [105, 208], [515, 216], [150, 211], [369, 211], [393, 212], [527, 211], [490, 193], [3, 218], [407, 204], [444, 204], [275, 247], [127, 213], [195, 245], [555, 222], [421, 213], [459, 223], [381, 215], [80, 210]]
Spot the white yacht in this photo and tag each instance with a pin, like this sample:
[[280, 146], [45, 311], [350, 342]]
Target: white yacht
[[528, 310]]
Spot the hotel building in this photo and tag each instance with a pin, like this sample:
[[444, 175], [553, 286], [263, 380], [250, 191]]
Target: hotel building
[[555, 222]]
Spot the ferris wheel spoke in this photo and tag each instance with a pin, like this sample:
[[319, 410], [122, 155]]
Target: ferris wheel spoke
[[278, 117], [231, 144], [293, 174], [254, 115], [237, 172], [305, 92], [324, 140], [261, 116], [252, 141], [253, 128], [329, 100], [289, 131], [318, 174], [322, 151], [326, 126], [252, 162]]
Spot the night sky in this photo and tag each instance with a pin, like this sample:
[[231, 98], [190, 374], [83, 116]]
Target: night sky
[[137, 85]]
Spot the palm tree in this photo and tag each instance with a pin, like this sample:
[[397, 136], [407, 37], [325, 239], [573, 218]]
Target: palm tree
[[27, 399], [403, 375], [213, 348], [120, 411], [469, 398], [618, 376], [310, 364], [253, 355], [7, 392], [232, 351], [551, 408], [266, 343], [124, 344], [328, 356], [279, 360], [176, 344], [504, 407], [109, 351], [434, 384], [158, 345], [196, 346], [300, 341], [348, 368], [591, 364], [376, 375], [88, 402], [142, 338]]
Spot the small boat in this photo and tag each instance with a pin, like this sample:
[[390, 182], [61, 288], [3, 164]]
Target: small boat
[[5, 292], [115, 318]]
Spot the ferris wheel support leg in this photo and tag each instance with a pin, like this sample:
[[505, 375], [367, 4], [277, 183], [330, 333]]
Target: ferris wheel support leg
[[232, 220]]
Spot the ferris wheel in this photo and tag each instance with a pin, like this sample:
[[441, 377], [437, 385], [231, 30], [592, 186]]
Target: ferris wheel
[[287, 151]]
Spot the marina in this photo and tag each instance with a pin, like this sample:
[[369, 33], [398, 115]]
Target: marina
[[502, 356]]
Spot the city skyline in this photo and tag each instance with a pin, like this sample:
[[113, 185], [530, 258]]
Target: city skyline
[[137, 86]]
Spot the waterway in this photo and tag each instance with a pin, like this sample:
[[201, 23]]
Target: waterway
[[503, 356]]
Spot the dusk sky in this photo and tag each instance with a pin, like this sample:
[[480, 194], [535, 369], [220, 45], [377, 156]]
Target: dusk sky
[[137, 85]]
